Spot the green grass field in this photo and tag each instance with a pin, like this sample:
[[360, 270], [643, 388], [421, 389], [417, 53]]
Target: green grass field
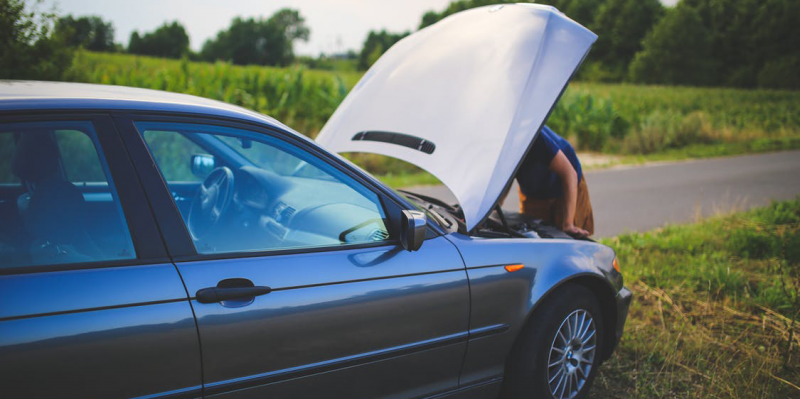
[[636, 123], [715, 309]]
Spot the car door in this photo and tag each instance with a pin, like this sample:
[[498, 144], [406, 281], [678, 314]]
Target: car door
[[91, 305], [334, 306]]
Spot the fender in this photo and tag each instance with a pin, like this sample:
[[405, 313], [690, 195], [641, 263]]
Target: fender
[[501, 302]]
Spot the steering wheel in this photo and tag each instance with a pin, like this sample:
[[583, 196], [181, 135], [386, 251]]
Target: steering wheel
[[213, 198]]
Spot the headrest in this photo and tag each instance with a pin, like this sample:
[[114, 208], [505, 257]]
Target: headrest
[[36, 156]]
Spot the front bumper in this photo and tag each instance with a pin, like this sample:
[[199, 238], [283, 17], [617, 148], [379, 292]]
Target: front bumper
[[623, 302]]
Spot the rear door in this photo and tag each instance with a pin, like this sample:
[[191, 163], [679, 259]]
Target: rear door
[[91, 305], [347, 313]]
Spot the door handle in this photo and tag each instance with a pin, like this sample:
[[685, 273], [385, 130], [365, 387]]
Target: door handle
[[217, 294]]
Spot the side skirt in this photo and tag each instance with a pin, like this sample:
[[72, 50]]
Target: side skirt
[[488, 389]]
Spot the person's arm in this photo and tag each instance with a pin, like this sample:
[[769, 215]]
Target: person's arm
[[561, 166]]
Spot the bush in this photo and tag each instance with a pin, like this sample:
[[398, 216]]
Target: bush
[[780, 213], [751, 243], [662, 130], [791, 247]]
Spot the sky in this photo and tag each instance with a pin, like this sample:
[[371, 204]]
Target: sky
[[336, 25]]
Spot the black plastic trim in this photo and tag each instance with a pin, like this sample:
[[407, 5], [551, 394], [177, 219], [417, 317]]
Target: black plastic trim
[[487, 331], [173, 230], [401, 139], [84, 310]]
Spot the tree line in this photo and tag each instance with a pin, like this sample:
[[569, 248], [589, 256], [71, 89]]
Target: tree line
[[35, 44], [738, 43]]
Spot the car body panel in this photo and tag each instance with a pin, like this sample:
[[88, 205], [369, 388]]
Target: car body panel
[[110, 332], [329, 314], [499, 297], [478, 85], [52, 96]]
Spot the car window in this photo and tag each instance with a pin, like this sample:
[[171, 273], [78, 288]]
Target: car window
[[57, 201], [173, 153], [80, 160], [265, 194]]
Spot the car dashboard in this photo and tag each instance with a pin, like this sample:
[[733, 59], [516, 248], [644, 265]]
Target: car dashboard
[[271, 211]]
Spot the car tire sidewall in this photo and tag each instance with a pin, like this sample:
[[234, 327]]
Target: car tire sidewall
[[526, 370]]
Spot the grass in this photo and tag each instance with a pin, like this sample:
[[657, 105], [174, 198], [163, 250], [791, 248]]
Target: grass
[[633, 123], [715, 309]]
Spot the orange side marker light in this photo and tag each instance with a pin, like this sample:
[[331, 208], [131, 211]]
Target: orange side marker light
[[616, 265], [513, 268]]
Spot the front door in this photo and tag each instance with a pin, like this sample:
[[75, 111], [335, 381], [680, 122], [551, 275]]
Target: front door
[[335, 307]]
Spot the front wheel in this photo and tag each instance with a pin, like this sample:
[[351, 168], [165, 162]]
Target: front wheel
[[558, 352]]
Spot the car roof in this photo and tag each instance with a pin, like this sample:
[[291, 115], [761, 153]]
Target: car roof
[[17, 95]]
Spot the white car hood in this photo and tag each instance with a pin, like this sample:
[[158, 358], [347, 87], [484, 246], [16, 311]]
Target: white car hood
[[467, 96]]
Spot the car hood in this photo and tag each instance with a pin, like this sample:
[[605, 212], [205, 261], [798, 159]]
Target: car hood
[[464, 98]]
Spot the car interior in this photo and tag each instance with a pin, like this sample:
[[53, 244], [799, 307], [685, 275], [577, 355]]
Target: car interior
[[48, 216], [249, 195]]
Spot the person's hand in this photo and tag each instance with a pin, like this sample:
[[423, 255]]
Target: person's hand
[[575, 231]]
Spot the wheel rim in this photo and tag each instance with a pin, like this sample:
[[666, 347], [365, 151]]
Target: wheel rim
[[572, 355]]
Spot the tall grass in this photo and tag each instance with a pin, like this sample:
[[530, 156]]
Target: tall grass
[[633, 119], [299, 97], [715, 310], [612, 118]]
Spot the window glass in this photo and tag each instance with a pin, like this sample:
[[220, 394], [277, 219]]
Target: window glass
[[262, 193], [80, 160], [63, 207], [173, 153]]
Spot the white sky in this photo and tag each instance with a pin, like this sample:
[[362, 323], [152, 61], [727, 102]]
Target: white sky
[[336, 25]]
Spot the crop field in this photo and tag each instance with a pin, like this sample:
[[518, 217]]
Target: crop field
[[715, 309], [632, 121]]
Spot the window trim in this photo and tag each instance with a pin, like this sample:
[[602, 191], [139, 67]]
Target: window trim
[[180, 237], [139, 221]]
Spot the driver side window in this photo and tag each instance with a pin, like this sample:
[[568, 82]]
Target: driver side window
[[240, 191]]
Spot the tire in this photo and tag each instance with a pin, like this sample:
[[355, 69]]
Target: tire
[[533, 363]]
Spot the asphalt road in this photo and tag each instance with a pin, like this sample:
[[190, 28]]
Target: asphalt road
[[646, 197]]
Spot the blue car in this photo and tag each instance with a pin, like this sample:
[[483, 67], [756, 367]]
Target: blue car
[[158, 245]]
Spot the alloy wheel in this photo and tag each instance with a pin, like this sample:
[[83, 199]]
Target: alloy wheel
[[572, 355]]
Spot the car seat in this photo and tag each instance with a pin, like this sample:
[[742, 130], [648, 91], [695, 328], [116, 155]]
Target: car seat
[[53, 210]]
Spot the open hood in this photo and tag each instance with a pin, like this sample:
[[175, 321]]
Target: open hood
[[464, 98]]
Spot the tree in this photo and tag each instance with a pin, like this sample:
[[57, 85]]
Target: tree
[[375, 45], [28, 47], [168, 40], [677, 51], [258, 41], [748, 36], [582, 11], [620, 26], [431, 17], [89, 32]]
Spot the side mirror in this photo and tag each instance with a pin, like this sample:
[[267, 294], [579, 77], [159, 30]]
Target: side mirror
[[202, 164], [415, 225]]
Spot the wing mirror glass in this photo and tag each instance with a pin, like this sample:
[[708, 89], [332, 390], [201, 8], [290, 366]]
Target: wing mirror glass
[[202, 164], [415, 225]]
